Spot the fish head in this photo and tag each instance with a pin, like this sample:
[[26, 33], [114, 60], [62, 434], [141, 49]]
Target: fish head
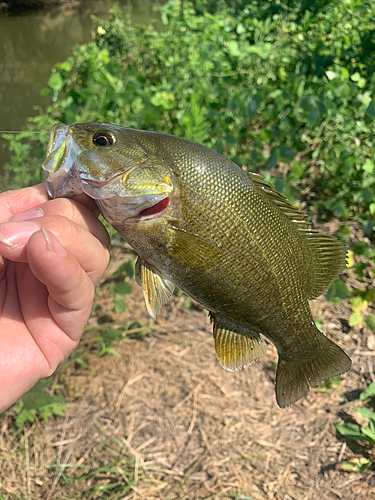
[[126, 178]]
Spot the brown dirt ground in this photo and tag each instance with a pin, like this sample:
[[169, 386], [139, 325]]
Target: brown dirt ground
[[192, 430]]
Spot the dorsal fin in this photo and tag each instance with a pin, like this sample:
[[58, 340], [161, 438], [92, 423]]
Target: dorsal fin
[[329, 253], [293, 214]]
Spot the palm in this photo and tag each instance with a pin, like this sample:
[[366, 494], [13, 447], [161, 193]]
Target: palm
[[50, 261], [27, 323]]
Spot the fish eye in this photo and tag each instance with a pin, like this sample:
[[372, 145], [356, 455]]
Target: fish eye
[[103, 139]]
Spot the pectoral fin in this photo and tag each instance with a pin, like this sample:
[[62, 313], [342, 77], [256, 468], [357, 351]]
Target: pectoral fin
[[236, 345], [190, 248], [156, 290]]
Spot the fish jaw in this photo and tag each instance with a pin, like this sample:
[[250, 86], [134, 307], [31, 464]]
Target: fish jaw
[[61, 179], [120, 195]]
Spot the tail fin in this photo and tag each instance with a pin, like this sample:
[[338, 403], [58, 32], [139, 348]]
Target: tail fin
[[294, 378]]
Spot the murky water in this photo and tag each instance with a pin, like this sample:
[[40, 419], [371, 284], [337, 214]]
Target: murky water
[[31, 44]]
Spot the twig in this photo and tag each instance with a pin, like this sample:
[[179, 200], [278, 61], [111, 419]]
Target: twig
[[342, 451]]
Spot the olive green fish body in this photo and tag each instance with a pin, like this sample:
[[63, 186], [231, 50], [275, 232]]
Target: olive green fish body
[[225, 237]]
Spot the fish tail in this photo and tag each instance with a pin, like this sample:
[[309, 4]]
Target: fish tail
[[295, 377]]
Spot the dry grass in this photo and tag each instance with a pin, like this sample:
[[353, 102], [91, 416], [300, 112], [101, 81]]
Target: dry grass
[[166, 422]]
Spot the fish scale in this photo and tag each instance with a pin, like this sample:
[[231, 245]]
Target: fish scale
[[224, 236]]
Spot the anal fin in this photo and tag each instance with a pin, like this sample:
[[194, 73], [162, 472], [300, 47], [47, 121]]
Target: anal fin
[[156, 289], [236, 345]]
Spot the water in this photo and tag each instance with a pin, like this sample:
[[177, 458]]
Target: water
[[31, 44]]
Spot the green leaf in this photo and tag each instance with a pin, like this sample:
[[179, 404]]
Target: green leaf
[[55, 82], [368, 226], [360, 247], [367, 195], [356, 318], [110, 335], [40, 402], [369, 434], [370, 111], [263, 50], [123, 288], [234, 49], [370, 322], [337, 291], [365, 412], [357, 464], [125, 268], [369, 295], [368, 393], [65, 65], [368, 166], [120, 306], [286, 154], [350, 431], [331, 75], [240, 28]]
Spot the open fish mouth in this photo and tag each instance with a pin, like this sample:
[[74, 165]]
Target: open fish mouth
[[115, 207]]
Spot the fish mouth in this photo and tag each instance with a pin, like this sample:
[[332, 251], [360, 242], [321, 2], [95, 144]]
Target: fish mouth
[[116, 208]]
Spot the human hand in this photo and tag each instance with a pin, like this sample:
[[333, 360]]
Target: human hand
[[52, 254]]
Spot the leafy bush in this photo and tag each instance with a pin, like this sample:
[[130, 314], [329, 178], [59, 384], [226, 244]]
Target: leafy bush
[[261, 84]]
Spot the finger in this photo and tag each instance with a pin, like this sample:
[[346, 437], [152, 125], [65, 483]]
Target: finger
[[59, 286], [2, 268], [90, 253], [73, 211], [20, 200], [13, 202]]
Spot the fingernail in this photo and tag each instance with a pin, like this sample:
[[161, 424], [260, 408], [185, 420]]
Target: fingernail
[[33, 213], [15, 234], [53, 244]]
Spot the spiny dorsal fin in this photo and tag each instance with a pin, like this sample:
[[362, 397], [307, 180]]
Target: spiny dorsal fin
[[329, 252], [289, 210], [236, 345], [156, 290]]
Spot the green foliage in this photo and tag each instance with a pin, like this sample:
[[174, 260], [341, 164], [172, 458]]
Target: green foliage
[[119, 287], [362, 261], [360, 433], [39, 403]]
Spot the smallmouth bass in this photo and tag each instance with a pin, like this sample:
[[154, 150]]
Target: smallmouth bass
[[224, 236]]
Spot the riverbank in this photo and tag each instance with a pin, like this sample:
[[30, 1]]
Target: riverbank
[[16, 6]]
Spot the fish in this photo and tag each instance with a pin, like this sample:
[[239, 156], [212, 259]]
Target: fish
[[224, 236]]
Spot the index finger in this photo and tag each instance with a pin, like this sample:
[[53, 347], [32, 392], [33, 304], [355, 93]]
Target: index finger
[[20, 200]]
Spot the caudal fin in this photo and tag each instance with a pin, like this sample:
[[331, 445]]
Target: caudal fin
[[294, 378]]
